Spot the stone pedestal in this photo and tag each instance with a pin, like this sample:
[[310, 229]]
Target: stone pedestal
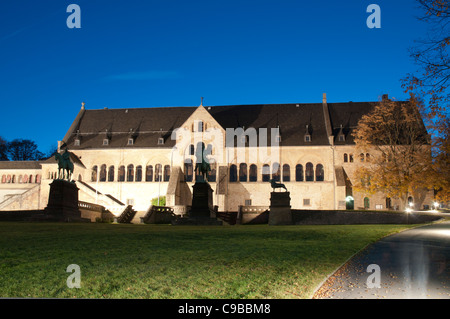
[[202, 209], [63, 202], [280, 209]]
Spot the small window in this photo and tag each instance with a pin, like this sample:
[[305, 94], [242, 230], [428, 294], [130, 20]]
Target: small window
[[248, 202], [130, 201], [307, 138], [76, 142], [160, 141], [105, 141], [345, 158], [278, 138], [130, 141], [341, 138], [306, 202]]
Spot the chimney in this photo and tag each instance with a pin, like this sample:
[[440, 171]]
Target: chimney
[[324, 98]]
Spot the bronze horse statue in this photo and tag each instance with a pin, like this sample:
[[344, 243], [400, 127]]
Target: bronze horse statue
[[65, 166]]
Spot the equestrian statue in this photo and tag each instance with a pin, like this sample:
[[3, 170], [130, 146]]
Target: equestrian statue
[[65, 165], [202, 166]]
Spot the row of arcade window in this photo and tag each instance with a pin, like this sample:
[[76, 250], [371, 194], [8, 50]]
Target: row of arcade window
[[348, 158], [278, 173], [130, 173], [21, 179]]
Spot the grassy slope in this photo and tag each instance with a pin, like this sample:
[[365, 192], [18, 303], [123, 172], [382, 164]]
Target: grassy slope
[[151, 261]]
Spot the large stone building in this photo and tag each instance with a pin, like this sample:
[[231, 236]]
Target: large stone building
[[131, 156]]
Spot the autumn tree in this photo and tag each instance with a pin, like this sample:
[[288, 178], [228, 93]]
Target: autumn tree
[[431, 81], [394, 135]]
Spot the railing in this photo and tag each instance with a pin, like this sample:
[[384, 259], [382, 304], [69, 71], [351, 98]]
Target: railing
[[90, 206]]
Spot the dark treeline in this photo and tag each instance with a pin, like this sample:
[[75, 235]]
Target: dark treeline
[[22, 150]]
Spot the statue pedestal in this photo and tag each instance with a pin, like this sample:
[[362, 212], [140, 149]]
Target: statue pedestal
[[202, 210], [280, 209], [63, 202]]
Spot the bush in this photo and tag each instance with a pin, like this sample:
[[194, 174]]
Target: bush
[[162, 201]]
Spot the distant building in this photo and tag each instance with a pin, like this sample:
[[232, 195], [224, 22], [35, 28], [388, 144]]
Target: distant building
[[130, 156]]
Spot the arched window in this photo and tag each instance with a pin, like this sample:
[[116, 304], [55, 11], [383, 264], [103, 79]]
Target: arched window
[[20, 179], [367, 157], [253, 174], [233, 173], [276, 172], [158, 172], [265, 173], [212, 173], [166, 173], [286, 173], [242, 172], [25, 178], [3, 179], [366, 203], [361, 157], [8, 179], [138, 173], [191, 149], [320, 175], [13, 180], [80, 179], [102, 173], [111, 173], [38, 179], [121, 174], [388, 203], [350, 158], [309, 172], [149, 173], [345, 157], [299, 173], [130, 173], [94, 174], [188, 171]]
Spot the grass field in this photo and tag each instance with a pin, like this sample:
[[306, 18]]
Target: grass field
[[162, 261]]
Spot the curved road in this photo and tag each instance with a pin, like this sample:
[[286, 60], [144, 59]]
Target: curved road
[[411, 264]]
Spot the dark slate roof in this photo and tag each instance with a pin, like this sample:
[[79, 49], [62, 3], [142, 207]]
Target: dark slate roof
[[148, 124], [291, 119], [20, 165]]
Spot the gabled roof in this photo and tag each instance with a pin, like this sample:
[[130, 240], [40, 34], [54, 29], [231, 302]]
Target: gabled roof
[[147, 125]]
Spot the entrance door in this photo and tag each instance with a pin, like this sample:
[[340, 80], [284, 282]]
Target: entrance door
[[349, 202]]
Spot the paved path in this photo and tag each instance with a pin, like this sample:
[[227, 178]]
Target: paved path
[[412, 264]]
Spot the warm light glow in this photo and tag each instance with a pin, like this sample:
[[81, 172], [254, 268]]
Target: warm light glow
[[408, 210]]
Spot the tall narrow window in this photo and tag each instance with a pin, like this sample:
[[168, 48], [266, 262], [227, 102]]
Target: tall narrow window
[[286, 173], [191, 149], [242, 172], [130, 173], [111, 174], [121, 174], [200, 126], [265, 173], [367, 157], [94, 174], [212, 173], [149, 173], [233, 173], [188, 172], [309, 172], [350, 158], [320, 175], [253, 174], [345, 157], [166, 173], [158, 172], [276, 172], [102, 173], [366, 203], [138, 173], [361, 157], [299, 173]]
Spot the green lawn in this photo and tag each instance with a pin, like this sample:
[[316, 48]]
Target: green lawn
[[162, 261]]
